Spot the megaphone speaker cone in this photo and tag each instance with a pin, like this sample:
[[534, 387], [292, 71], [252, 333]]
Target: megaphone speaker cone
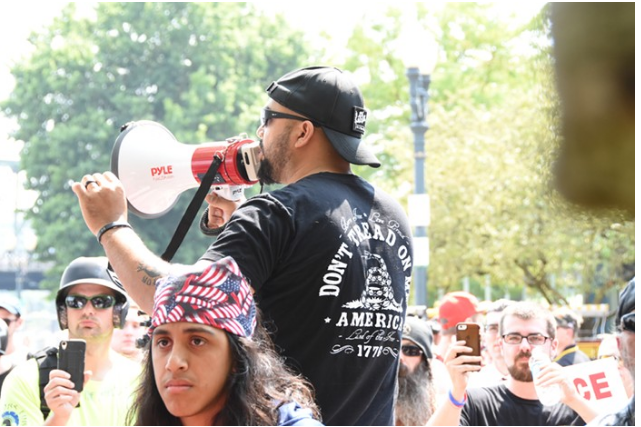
[[155, 168]]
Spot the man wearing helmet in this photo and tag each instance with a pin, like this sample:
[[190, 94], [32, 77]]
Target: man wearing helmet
[[90, 305]]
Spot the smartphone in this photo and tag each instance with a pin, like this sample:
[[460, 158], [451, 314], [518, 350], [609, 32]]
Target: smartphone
[[471, 334], [71, 359]]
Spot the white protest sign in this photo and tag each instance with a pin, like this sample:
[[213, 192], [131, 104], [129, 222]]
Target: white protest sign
[[599, 382]]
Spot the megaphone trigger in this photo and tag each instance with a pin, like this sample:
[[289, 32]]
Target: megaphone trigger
[[232, 193]]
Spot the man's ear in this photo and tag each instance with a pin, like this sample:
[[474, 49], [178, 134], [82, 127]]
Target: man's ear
[[305, 132]]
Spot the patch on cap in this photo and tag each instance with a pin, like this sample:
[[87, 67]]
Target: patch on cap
[[360, 117]]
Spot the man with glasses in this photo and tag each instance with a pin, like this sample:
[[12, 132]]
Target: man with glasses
[[626, 340], [416, 392], [329, 256], [523, 326], [90, 305]]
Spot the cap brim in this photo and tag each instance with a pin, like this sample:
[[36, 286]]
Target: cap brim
[[11, 309], [351, 148]]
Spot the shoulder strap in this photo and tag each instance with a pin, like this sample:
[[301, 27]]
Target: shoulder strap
[[47, 359], [565, 352]]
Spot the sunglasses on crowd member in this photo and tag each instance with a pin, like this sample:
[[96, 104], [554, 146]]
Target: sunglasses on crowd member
[[266, 115], [99, 302], [611, 356], [627, 322], [533, 339], [411, 350]]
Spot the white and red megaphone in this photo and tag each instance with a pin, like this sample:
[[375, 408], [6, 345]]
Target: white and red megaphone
[[156, 169]]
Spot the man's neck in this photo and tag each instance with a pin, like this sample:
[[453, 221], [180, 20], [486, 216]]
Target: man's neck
[[524, 390]]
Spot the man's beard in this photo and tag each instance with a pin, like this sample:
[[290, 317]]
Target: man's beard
[[271, 168], [416, 397], [520, 374]]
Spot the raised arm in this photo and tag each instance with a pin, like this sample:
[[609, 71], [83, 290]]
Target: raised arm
[[555, 374], [457, 363], [103, 202]]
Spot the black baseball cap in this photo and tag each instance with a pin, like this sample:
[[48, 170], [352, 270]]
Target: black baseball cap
[[330, 97], [419, 332]]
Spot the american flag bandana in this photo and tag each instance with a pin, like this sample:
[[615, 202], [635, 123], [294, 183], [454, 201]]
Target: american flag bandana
[[219, 296]]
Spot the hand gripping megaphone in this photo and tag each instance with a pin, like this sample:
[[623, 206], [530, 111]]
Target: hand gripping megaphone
[[155, 169]]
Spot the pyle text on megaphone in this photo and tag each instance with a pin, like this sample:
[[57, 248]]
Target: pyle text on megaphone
[[155, 168]]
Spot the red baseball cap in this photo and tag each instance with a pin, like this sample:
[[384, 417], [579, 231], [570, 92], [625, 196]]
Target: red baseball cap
[[456, 307]]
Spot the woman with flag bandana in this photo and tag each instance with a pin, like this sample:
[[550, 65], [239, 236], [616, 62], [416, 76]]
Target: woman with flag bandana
[[209, 364]]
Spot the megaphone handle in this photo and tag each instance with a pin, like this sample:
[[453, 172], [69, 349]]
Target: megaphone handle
[[192, 209]]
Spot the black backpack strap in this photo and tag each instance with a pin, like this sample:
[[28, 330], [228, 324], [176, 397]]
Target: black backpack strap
[[47, 359]]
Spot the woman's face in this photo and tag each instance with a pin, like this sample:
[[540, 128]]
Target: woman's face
[[191, 365]]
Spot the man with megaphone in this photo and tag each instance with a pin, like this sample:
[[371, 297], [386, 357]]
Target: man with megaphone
[[329, 256]]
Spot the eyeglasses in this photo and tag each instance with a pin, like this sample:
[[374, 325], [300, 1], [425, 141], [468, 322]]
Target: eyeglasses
[[493, 328], [99, 302], [609, 356], [627, 322], [411, 350], [266, 115], [532, 339]]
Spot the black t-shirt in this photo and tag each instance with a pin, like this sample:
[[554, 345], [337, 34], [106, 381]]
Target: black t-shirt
[[497, 406], [330, 259]]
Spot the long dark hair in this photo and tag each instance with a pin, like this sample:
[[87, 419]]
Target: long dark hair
[[259, 384]]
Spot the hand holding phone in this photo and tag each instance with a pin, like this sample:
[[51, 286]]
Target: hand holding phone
[[71, 359], [470, 333]]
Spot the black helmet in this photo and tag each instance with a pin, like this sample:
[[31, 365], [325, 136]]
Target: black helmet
[[91, 270], [4, 337]]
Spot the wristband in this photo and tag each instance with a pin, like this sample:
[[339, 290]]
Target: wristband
[[115, 224], [456, 402]]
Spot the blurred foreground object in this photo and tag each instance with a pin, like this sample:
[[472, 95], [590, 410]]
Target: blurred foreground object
[[594, 60]]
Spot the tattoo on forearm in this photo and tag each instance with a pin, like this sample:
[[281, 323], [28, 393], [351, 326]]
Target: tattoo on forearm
[[151, 275]]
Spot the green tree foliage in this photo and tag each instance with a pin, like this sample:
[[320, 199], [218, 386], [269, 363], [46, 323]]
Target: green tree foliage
[[198, 68], [490, 153]]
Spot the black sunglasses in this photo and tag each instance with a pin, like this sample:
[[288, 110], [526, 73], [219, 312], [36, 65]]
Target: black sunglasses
[[627, 322], [411, 350], [99, 302], [266, 115]]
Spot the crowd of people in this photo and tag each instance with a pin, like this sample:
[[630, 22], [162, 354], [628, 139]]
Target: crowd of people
[[204, 358], [297, 312]]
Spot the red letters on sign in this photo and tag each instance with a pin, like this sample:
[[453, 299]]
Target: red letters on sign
[[598, 384], [162, 170]]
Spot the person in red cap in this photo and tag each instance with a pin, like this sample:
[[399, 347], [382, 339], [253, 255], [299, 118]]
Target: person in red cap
[[329, 256], [455, 307]]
